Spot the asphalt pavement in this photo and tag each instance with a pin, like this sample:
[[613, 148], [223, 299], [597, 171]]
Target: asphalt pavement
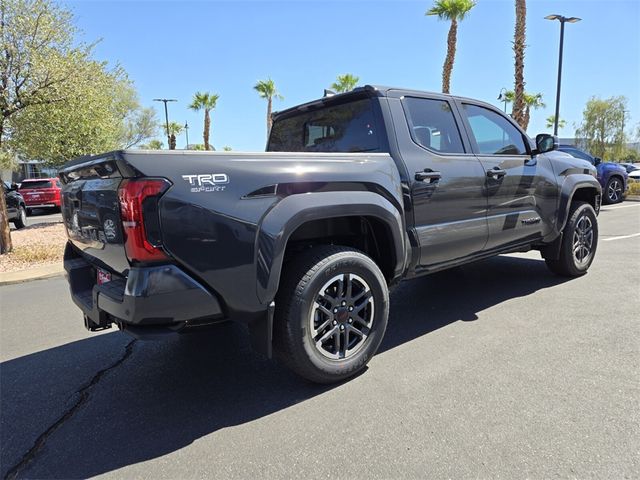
[[494, 370], [41, 216]]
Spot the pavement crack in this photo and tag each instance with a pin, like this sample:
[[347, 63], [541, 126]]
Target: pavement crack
[[83, 396]]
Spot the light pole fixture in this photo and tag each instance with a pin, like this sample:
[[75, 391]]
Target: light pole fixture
[[166, 115], [186, 132], [562, 19], [502, 96]]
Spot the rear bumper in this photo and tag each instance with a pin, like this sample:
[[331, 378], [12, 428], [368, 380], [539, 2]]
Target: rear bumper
[[42, 205], [150, 301]]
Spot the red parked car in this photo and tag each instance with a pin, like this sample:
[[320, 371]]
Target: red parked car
[[41, 193]]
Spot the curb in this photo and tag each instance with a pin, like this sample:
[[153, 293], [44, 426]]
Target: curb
[[632, 198], [46, 271]]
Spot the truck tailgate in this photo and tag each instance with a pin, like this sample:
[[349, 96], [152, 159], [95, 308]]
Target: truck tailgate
[[91, 212]]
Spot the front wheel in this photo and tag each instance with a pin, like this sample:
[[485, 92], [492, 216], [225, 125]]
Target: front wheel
[[579, 242], [331, 313]]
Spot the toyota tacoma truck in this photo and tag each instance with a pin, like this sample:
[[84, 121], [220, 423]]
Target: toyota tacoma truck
[[301, 243]]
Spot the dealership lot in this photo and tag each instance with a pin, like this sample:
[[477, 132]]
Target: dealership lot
[[496, 369]]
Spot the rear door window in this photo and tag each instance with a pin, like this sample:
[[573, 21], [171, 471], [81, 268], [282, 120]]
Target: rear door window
[[433, 125], [349, 127], [35, 184]]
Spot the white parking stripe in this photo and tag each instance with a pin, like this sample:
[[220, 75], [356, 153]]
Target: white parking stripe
[[620, 206], [621, 237]]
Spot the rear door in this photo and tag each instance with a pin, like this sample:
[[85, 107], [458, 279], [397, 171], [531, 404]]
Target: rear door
[[446, 179], [520, 192]]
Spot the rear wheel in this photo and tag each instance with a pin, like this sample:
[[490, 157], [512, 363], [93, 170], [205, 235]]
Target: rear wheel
[[579, 242], [331, 313], [613, 191], [21, 219]]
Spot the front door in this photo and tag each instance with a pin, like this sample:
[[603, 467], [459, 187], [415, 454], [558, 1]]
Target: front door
[[446, 180], [516, 182]]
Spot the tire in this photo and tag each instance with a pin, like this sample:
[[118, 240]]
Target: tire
[[580, 235], [613, 191], [21, 219], [333, 352]]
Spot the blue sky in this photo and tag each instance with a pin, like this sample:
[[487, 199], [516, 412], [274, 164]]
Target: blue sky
[[171, 49]]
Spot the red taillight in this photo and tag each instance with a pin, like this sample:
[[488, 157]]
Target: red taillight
[[132, 195]]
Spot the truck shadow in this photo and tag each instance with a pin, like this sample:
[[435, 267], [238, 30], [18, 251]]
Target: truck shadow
[[168, 394]]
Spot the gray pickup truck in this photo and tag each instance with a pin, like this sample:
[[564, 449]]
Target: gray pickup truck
[[355, 193]]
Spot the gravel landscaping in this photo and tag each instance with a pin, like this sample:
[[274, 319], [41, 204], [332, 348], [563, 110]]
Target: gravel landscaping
[[35, 246]]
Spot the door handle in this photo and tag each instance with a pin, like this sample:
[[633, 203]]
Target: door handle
[[428, 174], [496, 172]]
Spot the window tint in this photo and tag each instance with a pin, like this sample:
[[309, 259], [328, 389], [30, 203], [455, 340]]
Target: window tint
[[35, 184], [349, 127], [494, 134], [432, 125]]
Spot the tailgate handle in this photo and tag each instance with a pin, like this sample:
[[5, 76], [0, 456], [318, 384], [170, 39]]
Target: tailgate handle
[[428, 174]]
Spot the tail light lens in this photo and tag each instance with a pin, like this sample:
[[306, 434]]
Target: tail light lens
[[139, 197]]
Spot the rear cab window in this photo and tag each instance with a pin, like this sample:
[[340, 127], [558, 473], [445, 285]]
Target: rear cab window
[[36, 184], [349, 127]]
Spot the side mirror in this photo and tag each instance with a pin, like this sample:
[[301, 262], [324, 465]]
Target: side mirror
[[546, 143], [597, 161]]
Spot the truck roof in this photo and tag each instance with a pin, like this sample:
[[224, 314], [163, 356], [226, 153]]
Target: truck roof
[[366, 91]]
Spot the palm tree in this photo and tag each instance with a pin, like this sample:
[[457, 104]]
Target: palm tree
[[174, 130], [344, 83], [267, 89], [154, 144], [534, 101], [205, 101], [519, 103], [551, 120], [453, 11], [531, 100]]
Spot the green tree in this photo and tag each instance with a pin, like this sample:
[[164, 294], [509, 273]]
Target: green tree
[[267, 89], [154, 144], [205, 101], [601, 130], [56, 102], [551, 120], [344, 83], [520, 112], [453, 11], [227, 148], [141, 124], [91, 122]]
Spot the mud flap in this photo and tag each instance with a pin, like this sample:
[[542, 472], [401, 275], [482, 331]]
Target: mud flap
[[261, 333]]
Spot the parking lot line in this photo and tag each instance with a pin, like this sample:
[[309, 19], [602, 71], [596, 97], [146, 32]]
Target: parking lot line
[[621, 237], [620, 206]]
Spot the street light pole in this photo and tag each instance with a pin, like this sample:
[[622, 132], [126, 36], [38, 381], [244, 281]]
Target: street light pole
[[562, 19], [503, 96], [186, 131], [166, 116]]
